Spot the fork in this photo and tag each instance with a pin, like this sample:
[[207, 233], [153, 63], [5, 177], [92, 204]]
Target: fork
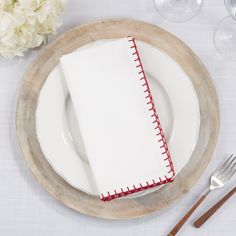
[[219, 178]]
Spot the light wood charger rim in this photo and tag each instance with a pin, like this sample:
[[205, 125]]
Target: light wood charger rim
[[36, 75]]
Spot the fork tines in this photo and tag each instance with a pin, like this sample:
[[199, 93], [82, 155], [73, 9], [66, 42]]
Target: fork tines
[[227, 169]]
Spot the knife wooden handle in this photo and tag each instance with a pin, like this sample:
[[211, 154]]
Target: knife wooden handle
[[179, 225], [201, 220]]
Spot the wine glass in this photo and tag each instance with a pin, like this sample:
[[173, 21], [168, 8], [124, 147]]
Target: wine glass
[[178, 10], [225, 33]]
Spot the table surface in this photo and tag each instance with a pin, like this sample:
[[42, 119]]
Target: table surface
[[27, 209]]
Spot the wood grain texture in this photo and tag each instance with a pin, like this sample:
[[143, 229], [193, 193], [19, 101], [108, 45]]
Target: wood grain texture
[[35, 77]]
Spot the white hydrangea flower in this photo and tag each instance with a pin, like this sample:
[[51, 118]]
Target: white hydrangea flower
[[24, 24]]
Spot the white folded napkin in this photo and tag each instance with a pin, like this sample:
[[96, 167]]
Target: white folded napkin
[[121, 131]]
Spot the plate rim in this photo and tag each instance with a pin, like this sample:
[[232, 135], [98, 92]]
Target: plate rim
[[116, 209], [42, 102]]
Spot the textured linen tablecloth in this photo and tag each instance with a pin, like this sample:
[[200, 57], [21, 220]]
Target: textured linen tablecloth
[[27, 209]]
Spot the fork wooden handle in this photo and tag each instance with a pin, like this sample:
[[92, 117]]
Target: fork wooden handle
[[179, 225], [201, 220]]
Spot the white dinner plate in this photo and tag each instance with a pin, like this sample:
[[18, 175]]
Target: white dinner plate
[[176, 103]]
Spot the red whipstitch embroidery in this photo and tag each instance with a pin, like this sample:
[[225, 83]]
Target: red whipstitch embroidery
[[160, 135]]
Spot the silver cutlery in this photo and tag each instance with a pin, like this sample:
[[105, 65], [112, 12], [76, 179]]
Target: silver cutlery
[[219, 179]]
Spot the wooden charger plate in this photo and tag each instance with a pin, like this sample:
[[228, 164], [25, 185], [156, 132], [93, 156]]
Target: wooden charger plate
[[38, 72]]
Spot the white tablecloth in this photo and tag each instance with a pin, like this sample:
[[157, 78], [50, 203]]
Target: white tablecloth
[[27, 209]]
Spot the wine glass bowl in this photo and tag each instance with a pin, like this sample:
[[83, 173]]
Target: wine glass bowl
[[225, 33], [178, 10]]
